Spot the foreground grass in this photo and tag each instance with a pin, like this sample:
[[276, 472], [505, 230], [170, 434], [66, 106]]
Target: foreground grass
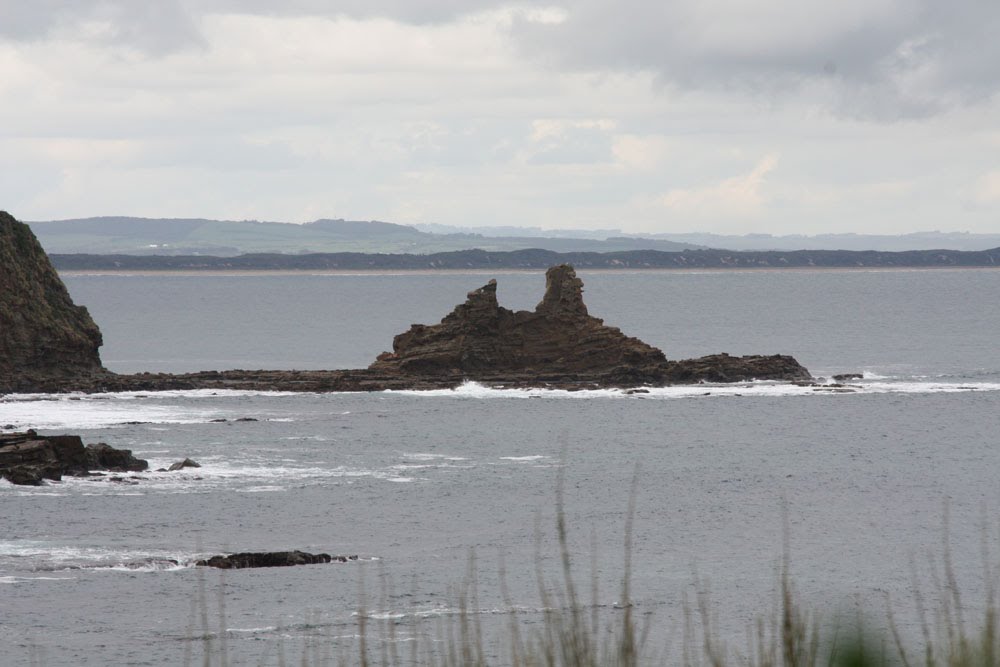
[[572, 633]]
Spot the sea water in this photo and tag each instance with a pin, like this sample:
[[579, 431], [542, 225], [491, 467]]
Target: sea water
[[868, 489]]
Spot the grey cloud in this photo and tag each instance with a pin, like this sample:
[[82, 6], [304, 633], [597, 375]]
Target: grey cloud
[[154, 27], [883, 60], [161, 26], [574, 145], [408, 11]]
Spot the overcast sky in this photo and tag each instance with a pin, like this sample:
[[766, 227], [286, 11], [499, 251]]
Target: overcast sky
[[729, 116]]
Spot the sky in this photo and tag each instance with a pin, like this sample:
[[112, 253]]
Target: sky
[[725, 116]]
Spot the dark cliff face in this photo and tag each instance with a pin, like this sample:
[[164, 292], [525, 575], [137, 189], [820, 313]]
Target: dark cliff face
[[480, 337], [44, 337]]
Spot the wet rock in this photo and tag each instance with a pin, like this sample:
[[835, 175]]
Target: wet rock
[[842, 377], [24, 475], [246, 419], [186, 463], [27, 458], [105, 457], [123, 480], [266, 559], [28, 461]]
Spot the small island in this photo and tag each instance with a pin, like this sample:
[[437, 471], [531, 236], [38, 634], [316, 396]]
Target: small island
[[49, 344]]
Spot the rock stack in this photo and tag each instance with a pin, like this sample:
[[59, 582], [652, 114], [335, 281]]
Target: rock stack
[[481, 338]]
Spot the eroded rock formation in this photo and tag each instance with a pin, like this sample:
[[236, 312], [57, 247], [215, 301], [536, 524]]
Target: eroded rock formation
[[481, 338], [559, 343], [44, 338]]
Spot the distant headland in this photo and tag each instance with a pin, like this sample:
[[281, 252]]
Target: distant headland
[[535, 259], [49, 344]]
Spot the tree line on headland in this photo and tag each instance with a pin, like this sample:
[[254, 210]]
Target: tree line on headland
[[536, 259]]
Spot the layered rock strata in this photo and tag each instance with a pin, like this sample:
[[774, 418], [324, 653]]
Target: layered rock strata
[[28, 458]]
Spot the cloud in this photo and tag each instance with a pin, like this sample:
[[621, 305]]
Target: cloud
[[645, 116], [871, 59], [154, 27], [987, 190], [563, 141], [882, 59], [737, 197]]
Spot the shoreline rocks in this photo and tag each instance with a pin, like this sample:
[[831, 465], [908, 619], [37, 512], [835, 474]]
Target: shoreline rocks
[[29, 459]]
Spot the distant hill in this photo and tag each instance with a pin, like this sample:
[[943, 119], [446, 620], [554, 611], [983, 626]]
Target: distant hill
[[538, 259], [884, 242], [226, 238], [881, 242]]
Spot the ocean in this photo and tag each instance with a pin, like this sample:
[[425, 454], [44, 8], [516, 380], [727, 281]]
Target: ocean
[[864, 491]]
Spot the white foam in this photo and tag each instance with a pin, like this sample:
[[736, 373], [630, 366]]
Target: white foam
[[473, 390], [536, 457], [171, 393], [424, 456], [82, 411], [18, 580], [86, 413], [51, 557], [436, 612]]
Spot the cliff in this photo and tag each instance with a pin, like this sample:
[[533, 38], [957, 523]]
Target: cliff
[[44, 338]]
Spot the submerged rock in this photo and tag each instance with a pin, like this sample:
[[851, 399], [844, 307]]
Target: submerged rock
[[186, 463], [269, 559], [105, 457]]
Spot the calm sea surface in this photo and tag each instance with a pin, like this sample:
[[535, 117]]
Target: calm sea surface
[[416, 483]]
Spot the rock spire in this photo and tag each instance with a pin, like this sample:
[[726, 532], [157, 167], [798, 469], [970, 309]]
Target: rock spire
[[481, 338]]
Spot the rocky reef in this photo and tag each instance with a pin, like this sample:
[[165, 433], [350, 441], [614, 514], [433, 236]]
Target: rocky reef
[[45, 340], [28, 458], [48, 344]]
